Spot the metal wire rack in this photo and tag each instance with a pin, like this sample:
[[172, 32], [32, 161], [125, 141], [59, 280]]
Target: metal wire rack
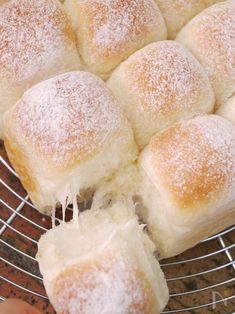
[[202, 280]]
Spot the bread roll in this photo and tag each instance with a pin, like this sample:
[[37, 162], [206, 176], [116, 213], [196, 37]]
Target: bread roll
[[3, 1], [228, 110], [67, 134], [189, 183], [37, 41], [109, 31], [177, 12], [106, 265], [210, 36], [159, 85]]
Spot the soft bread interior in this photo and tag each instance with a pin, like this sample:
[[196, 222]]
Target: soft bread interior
[[53, 188], [122, 187], [98, 234]]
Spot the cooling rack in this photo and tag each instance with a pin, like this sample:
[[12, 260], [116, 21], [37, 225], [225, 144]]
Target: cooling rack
[[202, 280]]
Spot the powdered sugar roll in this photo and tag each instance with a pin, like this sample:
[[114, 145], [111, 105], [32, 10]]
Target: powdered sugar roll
[[68, 117], [34, 37], [196, 160], [106, 286], [166, 79]]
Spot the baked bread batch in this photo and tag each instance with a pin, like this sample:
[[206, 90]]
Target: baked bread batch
[[128, 104]]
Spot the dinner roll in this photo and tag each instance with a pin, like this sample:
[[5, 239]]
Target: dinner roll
[[189, 182], [65, 135], [159, 85], [109, 31], [210, 36], [106, 265], [228, 110], [36, 42], [177, 12]]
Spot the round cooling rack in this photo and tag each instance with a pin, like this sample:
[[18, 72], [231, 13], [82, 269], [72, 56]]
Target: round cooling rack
[[202, 280]]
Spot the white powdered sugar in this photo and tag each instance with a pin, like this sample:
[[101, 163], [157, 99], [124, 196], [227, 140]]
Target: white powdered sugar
[[215, 30], [116, 24], [166, 78], [68, 117], [107, 286], [34, 34], [197, 159]]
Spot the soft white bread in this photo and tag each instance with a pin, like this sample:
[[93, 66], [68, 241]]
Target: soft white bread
[[105, 265], [210, 36], [177, 12], [109, 31], [67, 134], [189, 182], [228, 110], [159, 85], [36, 42], [124, 186]]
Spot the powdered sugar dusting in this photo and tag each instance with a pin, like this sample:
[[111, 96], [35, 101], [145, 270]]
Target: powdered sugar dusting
[[68, 117], [116, 24], [33, 35], [166, 79], [106, 285], [196, 160], [214, 29]]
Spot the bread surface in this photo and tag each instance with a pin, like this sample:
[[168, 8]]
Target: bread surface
[[109, 31], [67, 126], [228, 109], [105, 265], [190, 170], [37, 42], [210, 36], [177, 12], [158, 85]]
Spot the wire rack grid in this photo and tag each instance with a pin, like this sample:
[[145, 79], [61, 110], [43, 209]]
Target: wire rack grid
[[202, 280]]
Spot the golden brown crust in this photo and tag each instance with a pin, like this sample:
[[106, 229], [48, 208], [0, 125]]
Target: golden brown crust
[[100, 9], [68, 118], [30, 31], [20, 163], [167, 79], [76, 289], [210, 36], [108, 32], [196, 168], [215, 30]]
